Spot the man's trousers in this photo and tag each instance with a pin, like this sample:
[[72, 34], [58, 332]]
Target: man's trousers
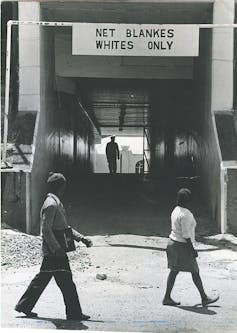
[[112, 162], [57, 267]]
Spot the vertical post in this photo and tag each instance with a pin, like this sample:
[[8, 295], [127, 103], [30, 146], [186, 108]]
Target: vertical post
[[223, 200], [28, 220], [223, 56], [7, 89], [143, 148]]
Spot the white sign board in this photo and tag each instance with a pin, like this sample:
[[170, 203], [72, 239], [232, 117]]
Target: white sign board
[[110, 39]]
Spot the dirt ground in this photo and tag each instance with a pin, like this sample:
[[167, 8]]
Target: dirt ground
[[130, 298]]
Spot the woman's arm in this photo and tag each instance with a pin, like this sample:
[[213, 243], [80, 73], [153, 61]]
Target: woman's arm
[[187, 228], [191, 248]]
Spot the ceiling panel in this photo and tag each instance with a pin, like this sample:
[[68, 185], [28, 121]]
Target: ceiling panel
[[173, 12], [119, 106]]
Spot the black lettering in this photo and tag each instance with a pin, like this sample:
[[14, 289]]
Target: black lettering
[[107, 45], [150, 45], [156, 33], [105, 32], [162, 33], [98, 32], [134, 33], [170, 33], [99, 44], [112, 32], [128, 33], [130, 45], [123, 45], [116, 44], [141, 34], [156, 45], [162, 46], [170, 44]]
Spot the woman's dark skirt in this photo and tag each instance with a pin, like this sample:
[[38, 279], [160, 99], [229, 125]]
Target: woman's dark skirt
[[180, 257]]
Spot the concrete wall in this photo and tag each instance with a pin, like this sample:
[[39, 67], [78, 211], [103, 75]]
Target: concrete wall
[[222, 96], [76, 138], [173, 145], [63, 139], [208, 158], [235, 67], [47, 140]]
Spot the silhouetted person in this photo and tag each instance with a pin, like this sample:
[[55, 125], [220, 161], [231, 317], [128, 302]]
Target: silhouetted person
[[112, 154], [55, 261]]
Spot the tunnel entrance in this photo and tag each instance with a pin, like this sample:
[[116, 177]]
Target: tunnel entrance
[[164, 114], [156, 124], [169, 108]]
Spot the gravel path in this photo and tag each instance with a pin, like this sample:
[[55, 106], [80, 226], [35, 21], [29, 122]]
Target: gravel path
[[19, 250]]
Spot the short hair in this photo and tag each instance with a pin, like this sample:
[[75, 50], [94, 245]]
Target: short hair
[[183, 197], [55, 181]]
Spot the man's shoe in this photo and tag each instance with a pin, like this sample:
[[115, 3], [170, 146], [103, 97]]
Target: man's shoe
[[209, 300], [29, 314], [170, 302], [81, 317]]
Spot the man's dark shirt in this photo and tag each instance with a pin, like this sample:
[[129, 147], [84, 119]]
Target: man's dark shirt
[[112, 150]]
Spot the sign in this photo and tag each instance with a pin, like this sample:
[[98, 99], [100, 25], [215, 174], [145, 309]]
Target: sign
[[110, 39]]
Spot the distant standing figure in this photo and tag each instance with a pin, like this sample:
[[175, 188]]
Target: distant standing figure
[[181, 254], [55, 261], [112, 154]]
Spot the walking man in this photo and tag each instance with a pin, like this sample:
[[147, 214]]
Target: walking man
[[112, 154], [55, 261]]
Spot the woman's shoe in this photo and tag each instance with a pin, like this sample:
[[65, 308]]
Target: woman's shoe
[[209, 300], [170, 302]]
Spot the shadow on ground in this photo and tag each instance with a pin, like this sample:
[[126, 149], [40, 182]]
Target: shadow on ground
[[125, 204], [219, 243], [61, 323], [198, 309]]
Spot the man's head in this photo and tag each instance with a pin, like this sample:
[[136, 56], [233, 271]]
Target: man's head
[[112, 138], [183, 197], [56, 183]]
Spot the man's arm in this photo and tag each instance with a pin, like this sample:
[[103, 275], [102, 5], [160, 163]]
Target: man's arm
[[106, 150], [117, 148], [80, 238]]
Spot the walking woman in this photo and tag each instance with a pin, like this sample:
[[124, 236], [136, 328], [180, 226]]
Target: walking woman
[[181, 254], [55, 261]]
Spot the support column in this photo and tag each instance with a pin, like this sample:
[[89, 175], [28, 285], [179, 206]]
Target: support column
[[29, 82], [223, 56], [29, 57], [222, 81]]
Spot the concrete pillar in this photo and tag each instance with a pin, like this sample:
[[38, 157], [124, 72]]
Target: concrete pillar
[[223, 56], [29, 57]]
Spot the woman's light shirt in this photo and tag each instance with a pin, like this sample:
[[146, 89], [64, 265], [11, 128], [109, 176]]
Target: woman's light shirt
[[183, 225]]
